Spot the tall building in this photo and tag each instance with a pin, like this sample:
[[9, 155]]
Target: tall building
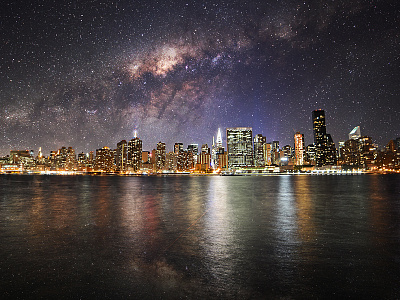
[[121, 156], [319, 129], [160, 156], [330, 154], [70, 159], [299, 149], [178, 147], [355, 134], [239, 142], [219, 139], [134, 154], [179, 156], [267, 151], [216, 145], [259, 142], [325, 151], [194, 148], [104, 160]]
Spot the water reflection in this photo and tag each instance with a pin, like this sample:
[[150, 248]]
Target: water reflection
[[218, 231], [200, 237]]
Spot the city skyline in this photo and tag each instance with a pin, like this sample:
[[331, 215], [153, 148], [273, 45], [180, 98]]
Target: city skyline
[[89, 75], [222, 139]]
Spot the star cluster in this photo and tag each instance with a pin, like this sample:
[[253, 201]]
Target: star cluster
[[87, 73]]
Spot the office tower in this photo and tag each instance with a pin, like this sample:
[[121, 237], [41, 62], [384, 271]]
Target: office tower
[[355, 134], [239, 142], [187, 160], [121, 156], [319, 129], [299, 149], [267, 151], [160, 156], [178, 147], [285, 156], [222, 159], [330, 154], [146, 157], [325, 151], [398, 144], [219, 139], [171, 161], [90, 161], [82, 159], [350, 155], [70, 159], [275, 145], [259, 142], [179, 157], [205, 149], [367, 151], [310, 154], [134, 154], [104, 160], [214, 148], [213, 154], [194, 148], [61, 158], [22, 157]]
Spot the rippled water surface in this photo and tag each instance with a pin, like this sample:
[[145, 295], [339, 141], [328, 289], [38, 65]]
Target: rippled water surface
[[200, 237]]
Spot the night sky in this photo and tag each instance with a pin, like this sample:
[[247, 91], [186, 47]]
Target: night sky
[[87, 73]]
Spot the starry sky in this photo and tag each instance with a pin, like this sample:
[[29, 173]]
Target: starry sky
[[87, 73]]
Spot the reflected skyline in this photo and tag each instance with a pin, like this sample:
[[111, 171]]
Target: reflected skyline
[[213, 237]]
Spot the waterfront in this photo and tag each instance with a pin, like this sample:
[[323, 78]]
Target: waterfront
[[287, 236]]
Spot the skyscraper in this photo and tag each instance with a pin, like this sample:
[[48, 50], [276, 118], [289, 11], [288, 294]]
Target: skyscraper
[[134, 154], [259, 141], [355, 134], [160, 156], [299, 149], [219, 139], [121, 156], [239, 142], [215, 149], [325, 151]]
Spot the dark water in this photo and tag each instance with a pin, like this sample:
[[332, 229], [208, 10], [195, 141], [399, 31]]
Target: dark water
[[268, 237]]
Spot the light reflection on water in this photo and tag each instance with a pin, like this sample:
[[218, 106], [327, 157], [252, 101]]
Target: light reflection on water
[[200, 237]]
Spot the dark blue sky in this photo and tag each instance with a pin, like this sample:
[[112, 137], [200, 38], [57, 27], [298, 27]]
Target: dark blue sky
[[85, 74]]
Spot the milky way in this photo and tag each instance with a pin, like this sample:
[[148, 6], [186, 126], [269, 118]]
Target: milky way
[[87, 74]]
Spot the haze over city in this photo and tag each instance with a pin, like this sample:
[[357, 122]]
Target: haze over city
[[86, 75]]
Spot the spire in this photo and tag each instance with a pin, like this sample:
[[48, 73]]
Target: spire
[[219, 138], [135, 133]]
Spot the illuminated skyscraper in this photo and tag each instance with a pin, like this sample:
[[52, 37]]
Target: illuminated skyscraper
[[259, 141], [355, 134], [299, 149], [179, 156], [160, 156], [267, 152], [178, 147], [121, 156], [104, 160], [134, 154], [219, 139], [194, 148], [239, 142]]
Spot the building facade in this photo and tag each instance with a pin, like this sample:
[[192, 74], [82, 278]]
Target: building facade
[[239, 142]]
